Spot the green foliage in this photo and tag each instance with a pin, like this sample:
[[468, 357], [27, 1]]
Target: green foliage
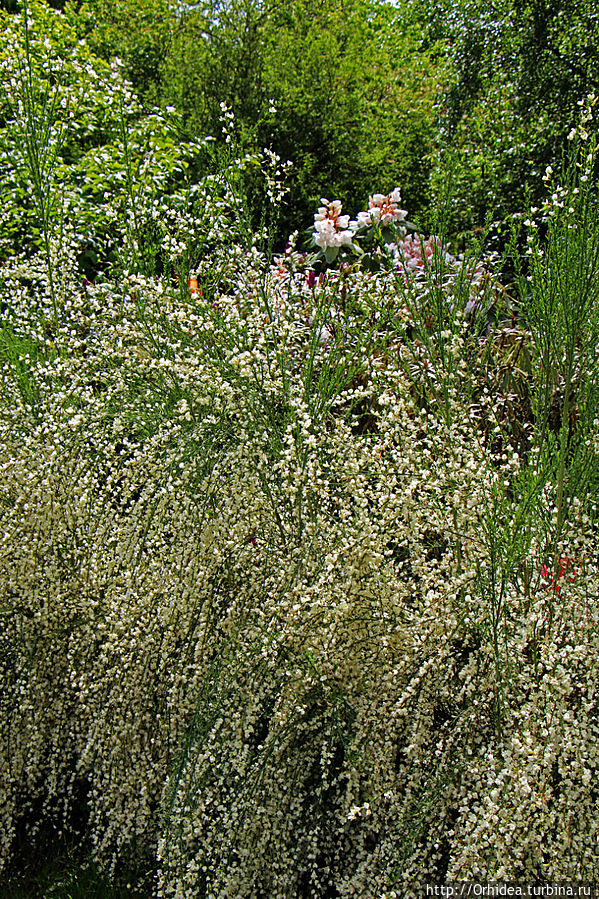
[[61, 107], [518, 68], [64, 879], [353, 90], [87, 173], [139, 33], [560, 298], [351, 82]]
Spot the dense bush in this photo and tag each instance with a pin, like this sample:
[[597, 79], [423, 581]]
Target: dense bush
[[298, 551]]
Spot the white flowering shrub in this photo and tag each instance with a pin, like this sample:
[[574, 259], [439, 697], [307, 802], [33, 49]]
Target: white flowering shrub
[[289, 609], [90, 176]]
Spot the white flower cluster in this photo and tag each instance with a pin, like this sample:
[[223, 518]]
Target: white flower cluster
[[267, 609], [383, 210], [335, 230], [331, 228]]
